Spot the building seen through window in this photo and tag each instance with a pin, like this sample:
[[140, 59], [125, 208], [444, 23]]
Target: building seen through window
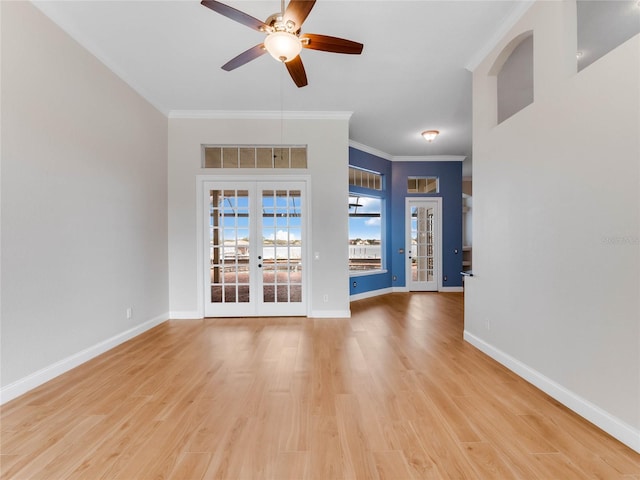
[[365, 233]]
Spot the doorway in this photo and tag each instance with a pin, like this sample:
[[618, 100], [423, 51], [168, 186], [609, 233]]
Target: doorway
[[424, 250], [254, 242]]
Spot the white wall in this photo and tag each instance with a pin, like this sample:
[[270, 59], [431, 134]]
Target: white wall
[[84, 204], [556, 247], [327, 153]]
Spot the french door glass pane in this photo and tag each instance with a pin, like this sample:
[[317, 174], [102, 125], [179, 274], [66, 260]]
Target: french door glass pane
[[229, 246], [281, 246], [422, 259]]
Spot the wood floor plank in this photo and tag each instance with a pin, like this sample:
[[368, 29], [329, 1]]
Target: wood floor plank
[[487, 461], [572, 447], [392, 465], [443, 449], [556, 465], [191, 466], [292, 465], [327, 461], [352, 433], [392, 392], [420, 464]]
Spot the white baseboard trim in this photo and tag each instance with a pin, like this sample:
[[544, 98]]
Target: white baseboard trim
[[615, 427], [369, 294], [400, 289], [330, 314], [451, 289], [185, 315], [23, 385]]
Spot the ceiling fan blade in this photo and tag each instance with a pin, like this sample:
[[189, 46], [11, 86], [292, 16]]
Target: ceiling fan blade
[[244, 57], [296, 70], [330, 44], [236, 15], [298, 10]]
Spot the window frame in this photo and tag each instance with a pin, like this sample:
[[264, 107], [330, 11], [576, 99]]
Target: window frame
[[359, 191], [426, 179]]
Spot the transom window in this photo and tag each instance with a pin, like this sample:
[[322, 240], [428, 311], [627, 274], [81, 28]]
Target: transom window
[[249, 156], [359, 177], [423, 185]]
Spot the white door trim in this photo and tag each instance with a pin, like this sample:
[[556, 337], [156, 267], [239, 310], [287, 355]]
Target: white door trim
[[438, 238]]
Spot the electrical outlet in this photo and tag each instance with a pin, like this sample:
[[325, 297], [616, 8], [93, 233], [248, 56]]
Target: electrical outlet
[[325, 298], [488, 324], [129, 313]]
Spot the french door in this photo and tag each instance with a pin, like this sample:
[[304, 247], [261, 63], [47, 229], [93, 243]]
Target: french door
[[255, 248], [423, 217]]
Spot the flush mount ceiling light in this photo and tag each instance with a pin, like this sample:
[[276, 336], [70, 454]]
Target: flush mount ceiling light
[[429, 135]]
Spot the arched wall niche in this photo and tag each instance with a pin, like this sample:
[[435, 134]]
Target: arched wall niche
[[513, 69]]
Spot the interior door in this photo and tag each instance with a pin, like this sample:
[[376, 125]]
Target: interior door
[[423, 249], [254, 245]]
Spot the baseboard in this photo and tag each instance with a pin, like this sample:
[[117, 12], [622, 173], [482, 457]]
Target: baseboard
[[615, 427], [400, 289], [185, 315], [369, 294], [330, 314], [22, 386], [451, 289]]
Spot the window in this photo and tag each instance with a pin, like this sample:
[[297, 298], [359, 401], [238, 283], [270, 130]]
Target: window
[[234, 156], [423, 185], [359, 177], [365, 233], [366, 207]]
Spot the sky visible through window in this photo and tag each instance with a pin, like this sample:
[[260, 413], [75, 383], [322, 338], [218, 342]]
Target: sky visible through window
[[366, 227], [285, 225]]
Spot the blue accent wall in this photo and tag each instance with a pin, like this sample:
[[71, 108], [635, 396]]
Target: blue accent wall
[[368, 283], [395, 192], [450, 175]]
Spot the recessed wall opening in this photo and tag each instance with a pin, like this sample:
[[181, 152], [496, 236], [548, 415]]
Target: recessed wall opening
[[602, 26], [514, 72]]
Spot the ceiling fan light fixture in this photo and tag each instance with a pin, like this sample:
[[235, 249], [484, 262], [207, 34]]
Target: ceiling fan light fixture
[[430, 135], [283, 46]]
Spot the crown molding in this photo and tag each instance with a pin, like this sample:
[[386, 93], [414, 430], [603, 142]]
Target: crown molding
[[499, 34], [257, 115], [431, 158], [370, 150], [397, 158]]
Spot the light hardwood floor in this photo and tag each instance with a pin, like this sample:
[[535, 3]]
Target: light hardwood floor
[[392, 393]]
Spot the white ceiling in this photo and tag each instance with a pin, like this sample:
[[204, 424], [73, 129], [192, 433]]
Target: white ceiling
[[412, 75]]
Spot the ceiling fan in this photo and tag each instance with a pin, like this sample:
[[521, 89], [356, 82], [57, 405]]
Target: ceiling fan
[[284, 41]]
